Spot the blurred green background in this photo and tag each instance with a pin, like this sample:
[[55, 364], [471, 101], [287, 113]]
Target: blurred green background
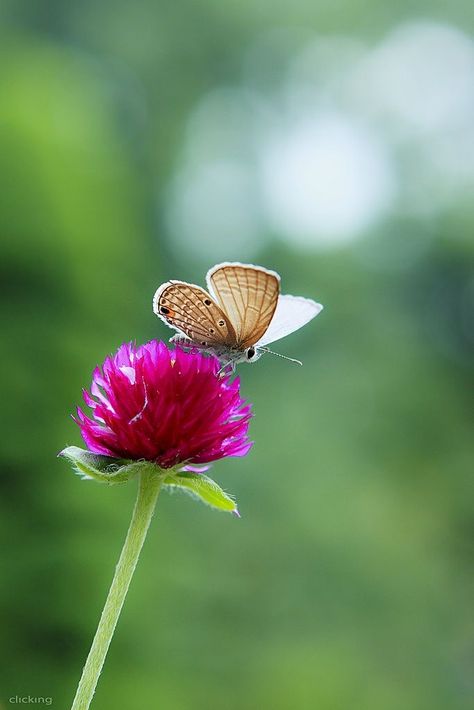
[[333, 142]]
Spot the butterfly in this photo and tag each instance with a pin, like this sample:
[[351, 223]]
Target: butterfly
[[241, 312]]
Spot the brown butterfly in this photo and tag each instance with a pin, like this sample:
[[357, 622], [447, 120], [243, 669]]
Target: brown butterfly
[[240, 314]]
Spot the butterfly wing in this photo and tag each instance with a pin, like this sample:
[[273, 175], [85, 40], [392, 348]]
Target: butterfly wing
[[191, 310], [248, 295], [292, 313]]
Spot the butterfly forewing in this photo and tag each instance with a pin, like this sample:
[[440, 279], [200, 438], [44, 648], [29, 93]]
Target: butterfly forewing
[[191, 310], [292, 313], [248, 295]]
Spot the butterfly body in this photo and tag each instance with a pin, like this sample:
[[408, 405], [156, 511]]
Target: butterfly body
[[226, 354], [241, 312]]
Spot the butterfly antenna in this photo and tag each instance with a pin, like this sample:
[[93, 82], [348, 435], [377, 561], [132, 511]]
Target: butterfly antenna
[[285, 357]]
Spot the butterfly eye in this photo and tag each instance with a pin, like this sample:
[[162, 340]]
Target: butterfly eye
[[250, 353]]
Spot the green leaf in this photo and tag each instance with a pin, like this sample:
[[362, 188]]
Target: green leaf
[[204, 488], [98, 467]]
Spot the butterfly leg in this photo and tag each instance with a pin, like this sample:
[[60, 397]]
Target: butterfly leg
[[223, 370]]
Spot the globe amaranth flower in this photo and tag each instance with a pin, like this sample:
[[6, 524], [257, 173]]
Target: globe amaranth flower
[[165, 406], [159, 415]]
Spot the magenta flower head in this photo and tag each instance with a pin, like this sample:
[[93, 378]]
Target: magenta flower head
[[161, 408]]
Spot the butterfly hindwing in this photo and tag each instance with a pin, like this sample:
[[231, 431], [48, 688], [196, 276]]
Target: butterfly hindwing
[[248, 295], [191, 310]]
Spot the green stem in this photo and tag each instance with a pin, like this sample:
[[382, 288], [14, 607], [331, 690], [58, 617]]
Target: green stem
[[148, 489]]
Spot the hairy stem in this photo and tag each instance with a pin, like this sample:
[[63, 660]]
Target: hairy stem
[[148, 489]]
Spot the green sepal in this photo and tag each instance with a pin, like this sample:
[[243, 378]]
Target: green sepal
[[98, 467], [204, 488]]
